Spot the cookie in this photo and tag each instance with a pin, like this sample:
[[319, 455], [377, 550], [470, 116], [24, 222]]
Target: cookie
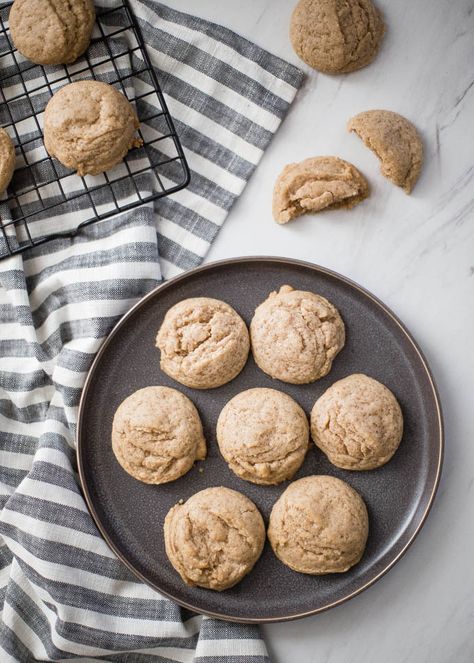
[[157, 435], [7, 160], [263, 435], [336, 36], [204, 343], [52, 31], [296, 335], [317, 184], [395, 141], [319, 525], [214, 539], [357, 423], [89, 126]]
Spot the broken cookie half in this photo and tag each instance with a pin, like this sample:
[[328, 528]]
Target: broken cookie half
[[316, 184], [395, 141]]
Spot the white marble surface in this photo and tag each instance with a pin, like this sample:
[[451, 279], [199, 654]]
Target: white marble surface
[[417, 254]]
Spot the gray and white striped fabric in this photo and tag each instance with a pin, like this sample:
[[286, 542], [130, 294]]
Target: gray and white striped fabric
[[63, 594]]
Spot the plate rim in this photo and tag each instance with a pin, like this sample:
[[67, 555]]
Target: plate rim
[[255, 259]]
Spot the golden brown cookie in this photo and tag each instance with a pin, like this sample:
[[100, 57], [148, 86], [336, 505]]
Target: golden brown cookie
[[52, 31], [7, 160], [296, 335], [336, 36], [89, 126], [395, 141], [316, 184], [263, 435], [357, 423], [319, 525], [214, 539], [204, 343], [157, 435]]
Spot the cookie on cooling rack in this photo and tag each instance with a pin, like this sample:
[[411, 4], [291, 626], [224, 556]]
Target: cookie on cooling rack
[[7, 160], [52, 31], [89, 126]]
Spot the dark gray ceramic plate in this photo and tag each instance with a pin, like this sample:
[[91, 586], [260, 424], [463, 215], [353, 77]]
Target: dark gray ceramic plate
[[130, 514]]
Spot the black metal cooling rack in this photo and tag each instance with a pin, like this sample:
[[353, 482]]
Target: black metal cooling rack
[[45, 200]]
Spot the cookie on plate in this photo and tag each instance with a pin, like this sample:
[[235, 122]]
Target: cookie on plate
[[395, 141], [316, 184], [157, 435], [89, 126], [357, 423], [296, 335], [204, 343], [319, 525], [214, 539], [7, 160], [336, 36], [263, 435], [52, 31]]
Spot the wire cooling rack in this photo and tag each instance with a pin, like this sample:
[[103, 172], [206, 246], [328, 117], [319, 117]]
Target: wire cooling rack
[[45, 200]]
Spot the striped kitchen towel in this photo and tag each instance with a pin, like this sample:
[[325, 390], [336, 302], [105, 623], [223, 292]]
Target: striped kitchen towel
[[63, 594]]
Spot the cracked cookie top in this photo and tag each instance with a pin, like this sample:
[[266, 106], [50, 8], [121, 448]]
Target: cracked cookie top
[[336, 36], [214, 539], [7, 160], [395, 141], [357, 423], [204, 343], [157, 435], [296, 335], [316, 184], [89, 126], [263, 435], [52, 31], [319, 525]]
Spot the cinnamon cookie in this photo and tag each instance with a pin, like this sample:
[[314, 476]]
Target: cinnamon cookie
[[319, 525], [89, 126], [52, 31], [296, 335], [157, 435], [336, 36], [214, 539], [395, 141], [357, 423], [317, 184], [7, 160], [263, 435], [204, 343]]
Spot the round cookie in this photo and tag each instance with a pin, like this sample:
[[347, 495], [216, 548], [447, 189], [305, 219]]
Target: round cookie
[[157, 435], [316, 184], [52, 31], [319, 525], [7, 160], [295, 335], [89, 126], [395, 141], [204, 343], [336, 36], [357, 423], [214, 539], [263, 435]]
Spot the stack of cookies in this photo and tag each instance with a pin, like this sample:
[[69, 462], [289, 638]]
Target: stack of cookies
[[319, 524]]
